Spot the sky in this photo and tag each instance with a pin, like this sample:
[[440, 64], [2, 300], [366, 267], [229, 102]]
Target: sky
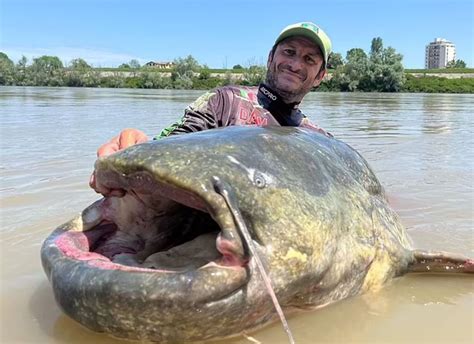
[[223, 33]]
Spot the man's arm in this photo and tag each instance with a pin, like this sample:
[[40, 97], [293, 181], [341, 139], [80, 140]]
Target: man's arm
[[198, 116]]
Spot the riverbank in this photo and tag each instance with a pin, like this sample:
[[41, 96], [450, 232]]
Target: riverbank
[[415, 81], [239, 74]]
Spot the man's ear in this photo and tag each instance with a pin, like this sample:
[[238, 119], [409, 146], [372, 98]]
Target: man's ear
[[319, 77]]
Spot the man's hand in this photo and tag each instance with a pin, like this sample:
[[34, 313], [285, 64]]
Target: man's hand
[[126, 138]]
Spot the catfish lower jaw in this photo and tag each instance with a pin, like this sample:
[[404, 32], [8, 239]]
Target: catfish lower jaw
[[188, 272]]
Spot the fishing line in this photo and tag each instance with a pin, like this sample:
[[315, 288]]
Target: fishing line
[[224, 191]]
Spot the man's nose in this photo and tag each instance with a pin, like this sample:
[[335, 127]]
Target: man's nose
[[296, 64]]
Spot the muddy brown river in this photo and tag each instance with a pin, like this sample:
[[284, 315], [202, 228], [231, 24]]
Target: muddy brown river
[[421, 147]]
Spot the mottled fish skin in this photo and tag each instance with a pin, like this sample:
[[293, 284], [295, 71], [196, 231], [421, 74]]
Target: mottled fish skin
[[316, 211]]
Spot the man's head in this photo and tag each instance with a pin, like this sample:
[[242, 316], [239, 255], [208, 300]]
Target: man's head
[[297, 61]]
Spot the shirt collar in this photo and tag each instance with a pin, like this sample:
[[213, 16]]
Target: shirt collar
[[273, 102]]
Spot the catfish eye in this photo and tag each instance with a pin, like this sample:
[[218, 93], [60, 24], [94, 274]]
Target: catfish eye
[[259, 180]]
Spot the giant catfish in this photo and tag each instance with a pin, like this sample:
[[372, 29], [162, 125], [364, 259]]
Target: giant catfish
[[167, 261]]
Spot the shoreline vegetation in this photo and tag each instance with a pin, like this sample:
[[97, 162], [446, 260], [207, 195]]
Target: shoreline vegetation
[[380, 70]]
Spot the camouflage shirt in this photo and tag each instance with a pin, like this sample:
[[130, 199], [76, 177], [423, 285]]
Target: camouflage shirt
[[237, 105]]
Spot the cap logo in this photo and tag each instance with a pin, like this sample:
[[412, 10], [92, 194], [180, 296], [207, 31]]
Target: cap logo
[[310, 26]]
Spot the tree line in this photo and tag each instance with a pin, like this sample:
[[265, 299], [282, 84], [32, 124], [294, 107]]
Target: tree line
[[379, 70]]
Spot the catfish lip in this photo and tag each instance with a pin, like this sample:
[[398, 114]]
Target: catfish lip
[[161, 192]]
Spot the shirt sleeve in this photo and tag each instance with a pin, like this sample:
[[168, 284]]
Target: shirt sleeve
[[199, 115]]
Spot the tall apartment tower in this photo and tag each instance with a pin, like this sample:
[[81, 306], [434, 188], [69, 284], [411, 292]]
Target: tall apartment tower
[[439, 53]]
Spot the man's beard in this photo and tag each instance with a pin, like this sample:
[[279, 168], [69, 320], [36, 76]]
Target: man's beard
[[287, 96]]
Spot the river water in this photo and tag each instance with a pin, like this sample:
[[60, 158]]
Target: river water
[[421, 147]]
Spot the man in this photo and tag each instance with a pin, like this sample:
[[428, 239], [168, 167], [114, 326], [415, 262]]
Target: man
[[296, 63]]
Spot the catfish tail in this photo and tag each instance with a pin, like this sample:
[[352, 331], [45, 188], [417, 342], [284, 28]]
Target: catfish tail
[[437, 262]]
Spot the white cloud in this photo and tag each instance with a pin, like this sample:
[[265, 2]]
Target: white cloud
[[95, 57]]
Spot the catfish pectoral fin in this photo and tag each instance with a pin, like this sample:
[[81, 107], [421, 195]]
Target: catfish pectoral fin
[[435, 262]]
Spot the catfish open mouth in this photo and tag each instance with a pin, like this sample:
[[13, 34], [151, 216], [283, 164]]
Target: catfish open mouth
[[157, 224]]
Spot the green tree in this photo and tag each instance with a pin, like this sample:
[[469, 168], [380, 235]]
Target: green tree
[[456, 64], [376, 50], [4, 57], [356, 54], [335, 60], [22, 62], [183, 72], [47, 63], [381, 71], [7, 70], [116, 80], [22, 77], [155, 80], [78, 74], [183, 82], [254, 75], [353, 75], [124, 66], [47, 71], [134, 64], [205, 73], [91, 78], [385, 73], [237, 66], [186, 66], [79, 65]]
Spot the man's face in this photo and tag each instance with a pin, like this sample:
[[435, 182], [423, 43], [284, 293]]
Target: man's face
[[295, 68]]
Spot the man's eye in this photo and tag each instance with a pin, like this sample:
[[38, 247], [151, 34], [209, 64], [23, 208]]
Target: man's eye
[[290, 52], [310, 60]]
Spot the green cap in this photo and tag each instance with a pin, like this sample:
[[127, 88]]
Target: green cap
[[310, 31]]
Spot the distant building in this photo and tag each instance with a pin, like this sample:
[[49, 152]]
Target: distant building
[[439, 53], [160, 65]]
